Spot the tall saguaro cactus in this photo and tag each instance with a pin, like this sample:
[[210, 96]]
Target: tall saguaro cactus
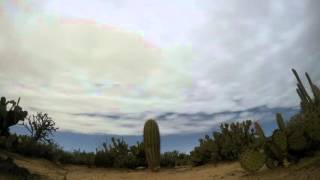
[[151, 139], [310, 107]]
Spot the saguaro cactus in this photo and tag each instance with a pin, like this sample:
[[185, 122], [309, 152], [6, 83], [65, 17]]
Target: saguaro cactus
[[151, 139]]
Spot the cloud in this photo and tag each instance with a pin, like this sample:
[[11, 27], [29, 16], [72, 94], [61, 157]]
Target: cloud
[[104, 67], [176, 123]]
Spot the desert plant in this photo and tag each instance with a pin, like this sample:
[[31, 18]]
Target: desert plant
[[273, 149], [173, 159], [280, 122], [225, 145], [118, 154], [103, 157], [138, 155], [252, 160], [10, 117], [151, 140], [300, 134], [310, 108], [169, 159], [40, 127], [207, 151]]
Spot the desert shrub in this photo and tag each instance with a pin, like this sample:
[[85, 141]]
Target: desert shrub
[[183, 159], [169, 159], [225, 145], [115, 154], [65, 157], [103, 159], [137, 155], [76, 157], [174, 158], [118, 154], [203, 153], [27, 146], [41, 127]]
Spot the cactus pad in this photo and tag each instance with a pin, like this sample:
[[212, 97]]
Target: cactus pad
[[252, 160], [312, 124], [297, 141], [279, 138]]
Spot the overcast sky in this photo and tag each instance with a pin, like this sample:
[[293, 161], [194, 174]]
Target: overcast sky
[[105, 66]]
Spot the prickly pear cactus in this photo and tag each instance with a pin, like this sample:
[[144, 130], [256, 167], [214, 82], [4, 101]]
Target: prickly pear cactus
[[252, 160], [279, 138], [151, 140], [296, 140], [312, 124], [261, 138], [272, 151]]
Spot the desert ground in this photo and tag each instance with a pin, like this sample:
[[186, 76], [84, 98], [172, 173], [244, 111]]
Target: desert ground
[[308, 169]]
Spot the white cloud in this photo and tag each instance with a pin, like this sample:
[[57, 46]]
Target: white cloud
[[158, 57]]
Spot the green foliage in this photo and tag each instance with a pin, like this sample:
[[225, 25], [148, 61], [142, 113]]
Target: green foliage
[[138, 154], [118, 154], [310, 108], [173, 159], [115, 155], [151, 140], [312, 124], [279, 138], [300, 136], [225, 145], [25, 145], [207, 151], [252, 160], [297, 141], [76, 157]]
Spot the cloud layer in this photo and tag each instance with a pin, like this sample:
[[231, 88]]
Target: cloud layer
[[105, 67]]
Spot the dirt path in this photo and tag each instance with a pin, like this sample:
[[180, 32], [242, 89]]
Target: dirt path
[[205, 173], [225, 171], [230, 171]]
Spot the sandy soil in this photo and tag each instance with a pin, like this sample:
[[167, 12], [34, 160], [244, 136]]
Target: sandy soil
[[226, 171]]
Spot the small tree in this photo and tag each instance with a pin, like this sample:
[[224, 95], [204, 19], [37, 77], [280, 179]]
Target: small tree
[[41, 126]]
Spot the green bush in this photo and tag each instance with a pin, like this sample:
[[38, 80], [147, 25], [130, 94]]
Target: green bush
[[118, 154], [76, 157], [207, 151], [174, 158], [224, 145]]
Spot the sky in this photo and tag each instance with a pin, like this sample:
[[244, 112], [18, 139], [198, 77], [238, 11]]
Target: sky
[[100, 68]]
